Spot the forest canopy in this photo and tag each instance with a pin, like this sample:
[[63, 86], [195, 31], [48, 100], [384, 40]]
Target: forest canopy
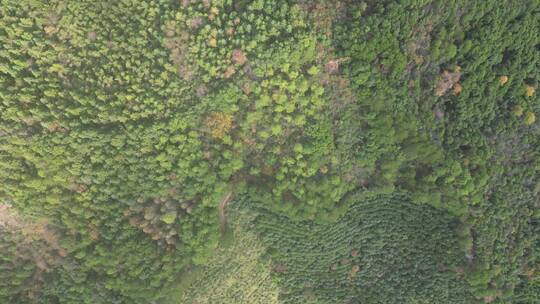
[[269, 151]]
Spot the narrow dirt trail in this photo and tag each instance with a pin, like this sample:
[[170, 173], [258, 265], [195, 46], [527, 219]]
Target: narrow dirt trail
[[221, 208]]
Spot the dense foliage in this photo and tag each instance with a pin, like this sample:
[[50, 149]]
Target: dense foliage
[[368, 256], [458, 93], [404, 132]]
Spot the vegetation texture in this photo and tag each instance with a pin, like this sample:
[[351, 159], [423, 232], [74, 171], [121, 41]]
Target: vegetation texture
[[269, 151]]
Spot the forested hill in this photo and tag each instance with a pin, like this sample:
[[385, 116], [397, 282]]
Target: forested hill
[[269, 151]]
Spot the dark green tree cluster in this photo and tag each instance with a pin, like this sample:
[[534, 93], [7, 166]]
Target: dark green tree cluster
[[448, 92], [370, 255]]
